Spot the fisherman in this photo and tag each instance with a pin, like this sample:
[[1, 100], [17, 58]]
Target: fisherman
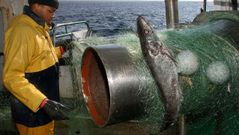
[[31, 70]]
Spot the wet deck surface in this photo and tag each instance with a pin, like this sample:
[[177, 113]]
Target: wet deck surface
[[81, 125]]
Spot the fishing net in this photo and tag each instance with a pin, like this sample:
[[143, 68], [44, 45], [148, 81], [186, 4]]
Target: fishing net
[[207, 62]]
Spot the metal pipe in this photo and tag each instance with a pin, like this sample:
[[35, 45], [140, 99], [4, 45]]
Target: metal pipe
[[171, 13], [110, 84], [204, 5], [182, 125], [234, 4]]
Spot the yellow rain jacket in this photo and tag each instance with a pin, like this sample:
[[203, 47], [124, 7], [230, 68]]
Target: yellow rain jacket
[[28, 49]]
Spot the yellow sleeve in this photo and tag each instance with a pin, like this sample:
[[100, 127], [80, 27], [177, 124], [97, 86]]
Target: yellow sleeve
[[58, 52], [17, 54]]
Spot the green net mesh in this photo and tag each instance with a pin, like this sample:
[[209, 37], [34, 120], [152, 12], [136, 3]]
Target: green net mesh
[[209, 90]]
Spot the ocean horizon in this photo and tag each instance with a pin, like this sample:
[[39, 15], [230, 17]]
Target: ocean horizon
[[107, 18], [136, 0]]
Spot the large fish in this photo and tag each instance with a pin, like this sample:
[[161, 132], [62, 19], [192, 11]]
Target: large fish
[[163, 69]]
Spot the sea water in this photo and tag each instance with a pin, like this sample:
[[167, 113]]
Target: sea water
[[111, 18]]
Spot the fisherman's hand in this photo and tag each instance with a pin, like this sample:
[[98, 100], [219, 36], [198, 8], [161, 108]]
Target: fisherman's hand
[[55, 110], [66, 44]]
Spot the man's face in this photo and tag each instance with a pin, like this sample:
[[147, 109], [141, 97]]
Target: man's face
[[46, 13]]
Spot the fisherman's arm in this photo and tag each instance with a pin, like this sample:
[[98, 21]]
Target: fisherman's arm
[[17, 55]]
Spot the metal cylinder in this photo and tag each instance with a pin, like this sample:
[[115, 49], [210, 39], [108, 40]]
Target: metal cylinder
[[109, 84]]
